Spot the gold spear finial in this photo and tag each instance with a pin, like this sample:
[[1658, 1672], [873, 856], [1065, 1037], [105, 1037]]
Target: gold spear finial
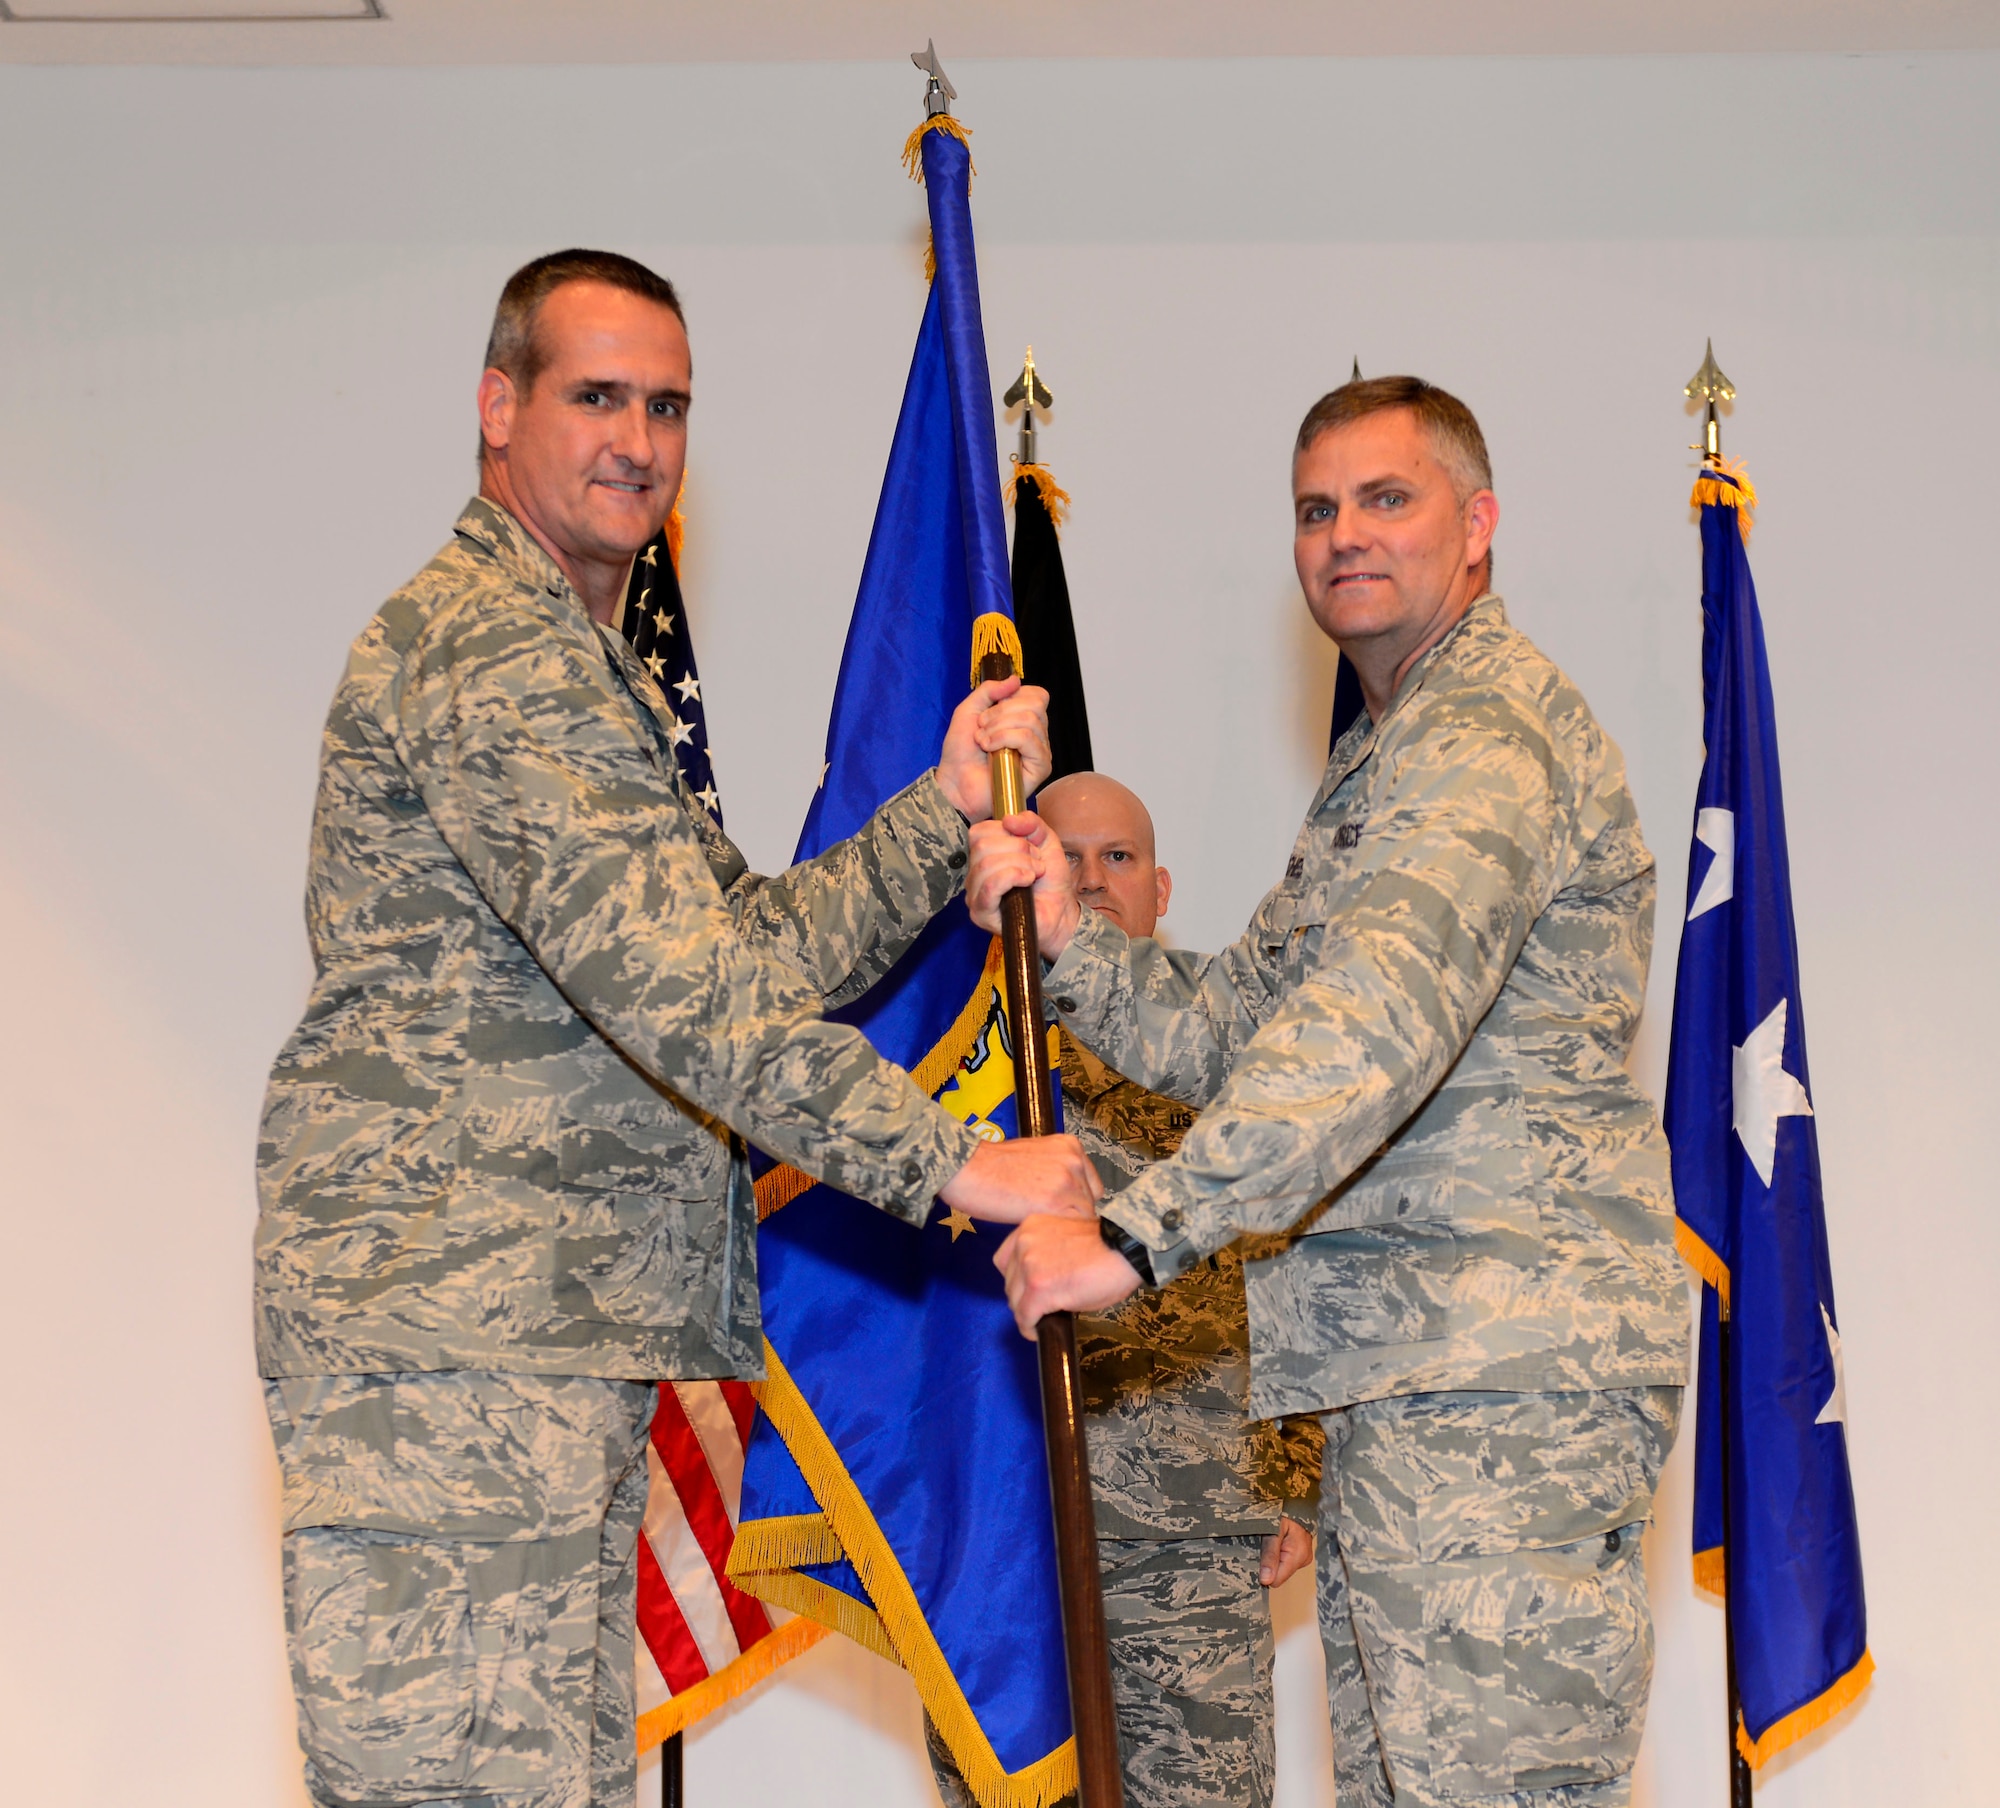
[[1710, 386], [1032, 393], [1356, 377]]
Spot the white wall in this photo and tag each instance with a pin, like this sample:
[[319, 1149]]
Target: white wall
[[240, 320]]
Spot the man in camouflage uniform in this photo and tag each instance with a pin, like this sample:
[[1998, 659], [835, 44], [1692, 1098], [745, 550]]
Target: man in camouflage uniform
[[1199, 1511], [1413, 1064], [503, 1182]]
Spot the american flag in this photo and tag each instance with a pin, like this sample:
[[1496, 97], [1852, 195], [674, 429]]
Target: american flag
[[701, 1640]]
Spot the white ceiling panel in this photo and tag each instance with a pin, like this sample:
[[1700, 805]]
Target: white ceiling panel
[[656, 31]]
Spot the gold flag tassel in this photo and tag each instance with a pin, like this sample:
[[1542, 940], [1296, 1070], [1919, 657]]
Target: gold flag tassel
[[913, 146], [677, 525], [995, 633], [1741, 497], [1054, 497], [913, 166]]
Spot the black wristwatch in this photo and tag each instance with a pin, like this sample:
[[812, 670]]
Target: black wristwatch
[[1117, 1237]]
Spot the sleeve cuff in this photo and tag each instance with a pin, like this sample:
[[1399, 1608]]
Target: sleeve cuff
[[925, 797], [1069, 975], [916, 1177], [1170, 1253]]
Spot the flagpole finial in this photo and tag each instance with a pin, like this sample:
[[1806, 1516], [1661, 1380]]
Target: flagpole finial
[[939, 93], [1032, 393], [1356, 376], [1710, 386]]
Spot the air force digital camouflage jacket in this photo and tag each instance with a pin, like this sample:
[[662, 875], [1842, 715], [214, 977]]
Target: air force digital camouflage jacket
[[1413, 1060], [1166, 1376], [547, 994]]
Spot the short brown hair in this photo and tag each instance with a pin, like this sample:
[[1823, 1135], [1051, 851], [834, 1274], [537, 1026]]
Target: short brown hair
[[1456, 441], [516, 348]]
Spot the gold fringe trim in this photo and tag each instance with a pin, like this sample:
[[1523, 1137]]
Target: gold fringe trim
[[776, 1648], [930, 257], [956, 1043], [1039, 1785], [1742, 498], [782, 1543], [913, 146], [780, 1187], [1054, 497], [1703, 1260], [995, 633], [1708, 1572], [831, 1610], [784, 1183], [1808, 1719], [677, 525]]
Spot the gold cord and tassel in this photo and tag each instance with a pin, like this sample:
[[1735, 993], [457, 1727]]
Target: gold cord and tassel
[[1742, 497], [913, 165], [1054, 497], [995, 633], [913, 153]]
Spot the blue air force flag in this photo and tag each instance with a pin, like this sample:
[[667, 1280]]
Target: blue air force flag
[[1747, 1189], [896, 1487]]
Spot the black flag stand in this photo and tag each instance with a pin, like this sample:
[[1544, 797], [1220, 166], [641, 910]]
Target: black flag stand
[[1741, 1790], [670, 1772]]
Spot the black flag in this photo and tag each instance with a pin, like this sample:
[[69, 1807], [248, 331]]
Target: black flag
[[1042, 617], [1347, 703]]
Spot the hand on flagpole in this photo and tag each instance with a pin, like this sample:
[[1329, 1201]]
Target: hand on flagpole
[[1023, 851], [1007, 1182], [1002, 712], [1061, 1265]]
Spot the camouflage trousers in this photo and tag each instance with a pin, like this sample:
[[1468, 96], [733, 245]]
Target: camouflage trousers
[[1191, 1649], [1482, 1595], [460, 1567]]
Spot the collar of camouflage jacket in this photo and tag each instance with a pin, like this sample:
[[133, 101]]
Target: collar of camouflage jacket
[[1487, 611], [522, 557], [496, 533]]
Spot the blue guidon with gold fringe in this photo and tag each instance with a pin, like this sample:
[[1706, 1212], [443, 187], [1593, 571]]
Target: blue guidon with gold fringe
[[896, 1488]]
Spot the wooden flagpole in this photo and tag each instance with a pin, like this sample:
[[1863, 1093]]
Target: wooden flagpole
[[1085, 1643]]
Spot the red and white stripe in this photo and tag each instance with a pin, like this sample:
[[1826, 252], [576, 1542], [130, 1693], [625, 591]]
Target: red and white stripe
[[693, 1621]]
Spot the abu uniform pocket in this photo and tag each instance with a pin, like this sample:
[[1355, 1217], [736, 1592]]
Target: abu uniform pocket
[[383, 1661], [1537, 1666]]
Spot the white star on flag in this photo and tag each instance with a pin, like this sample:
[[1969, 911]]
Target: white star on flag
[[1715, 830], [1765, 1092], [663, 621], [648, 560], [656, 665], [707, 799], [681, 733], [1834, 1412], [689, 688]]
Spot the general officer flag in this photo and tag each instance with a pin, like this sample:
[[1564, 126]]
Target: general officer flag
[[1747, 1189], [897, 1487]]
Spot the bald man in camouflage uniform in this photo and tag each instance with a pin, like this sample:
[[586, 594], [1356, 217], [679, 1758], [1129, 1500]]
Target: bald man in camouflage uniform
[[1199, 1511], [1412, 1065], [503, 1179]]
